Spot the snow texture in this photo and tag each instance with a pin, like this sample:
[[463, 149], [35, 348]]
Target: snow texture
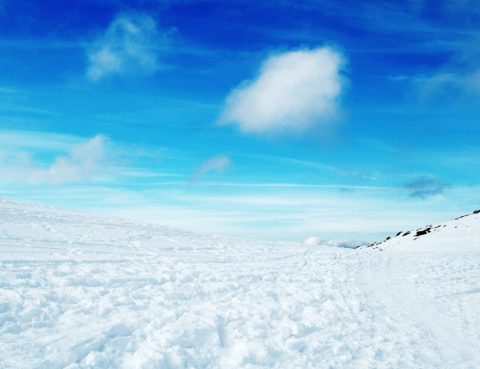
[[81, 291]]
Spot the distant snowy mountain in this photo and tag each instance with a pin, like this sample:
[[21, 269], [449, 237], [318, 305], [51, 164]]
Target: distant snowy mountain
[[79, 291], [460, 234]]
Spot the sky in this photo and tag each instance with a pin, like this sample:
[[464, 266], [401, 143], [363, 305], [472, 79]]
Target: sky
[[272, 119]]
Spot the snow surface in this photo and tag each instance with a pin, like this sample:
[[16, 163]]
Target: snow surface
[[80, 291]]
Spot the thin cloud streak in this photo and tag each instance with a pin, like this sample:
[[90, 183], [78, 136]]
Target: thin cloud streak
[[215, 164]]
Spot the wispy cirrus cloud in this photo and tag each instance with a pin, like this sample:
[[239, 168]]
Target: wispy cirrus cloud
[[32, 140], [450, 80], [460, 74], [292, 91], [458, 77], [128, 46], [216, 163]]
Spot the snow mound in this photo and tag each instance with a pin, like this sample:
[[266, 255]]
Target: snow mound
[[313, 241], [459, 235], [316, 241]]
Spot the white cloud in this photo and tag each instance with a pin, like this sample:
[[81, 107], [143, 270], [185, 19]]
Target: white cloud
[[128, 46], [292, 91], [215, 164], [83, 162]]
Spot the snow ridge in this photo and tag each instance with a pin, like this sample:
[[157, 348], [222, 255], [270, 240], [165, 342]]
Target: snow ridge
[[462, 232]]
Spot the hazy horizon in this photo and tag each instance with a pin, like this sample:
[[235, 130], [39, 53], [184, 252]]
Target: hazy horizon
[[273, 120]]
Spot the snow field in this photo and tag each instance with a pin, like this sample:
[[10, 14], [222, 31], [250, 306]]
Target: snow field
[[79, 291]]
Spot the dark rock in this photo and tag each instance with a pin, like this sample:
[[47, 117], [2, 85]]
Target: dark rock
[[422, 232]]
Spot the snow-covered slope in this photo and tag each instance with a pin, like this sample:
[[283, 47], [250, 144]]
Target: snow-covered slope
[[459, 235], [80, 291]]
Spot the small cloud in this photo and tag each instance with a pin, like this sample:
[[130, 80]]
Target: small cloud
[[127, 46], [459, 75], [346, 190], [292, 91], [450, 82], [215, 164], [424, 187], [83, 162]]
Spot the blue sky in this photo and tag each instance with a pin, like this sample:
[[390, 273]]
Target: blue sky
[[274, 120]]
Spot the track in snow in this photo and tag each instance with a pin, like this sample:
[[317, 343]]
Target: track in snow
[[78, 291]]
